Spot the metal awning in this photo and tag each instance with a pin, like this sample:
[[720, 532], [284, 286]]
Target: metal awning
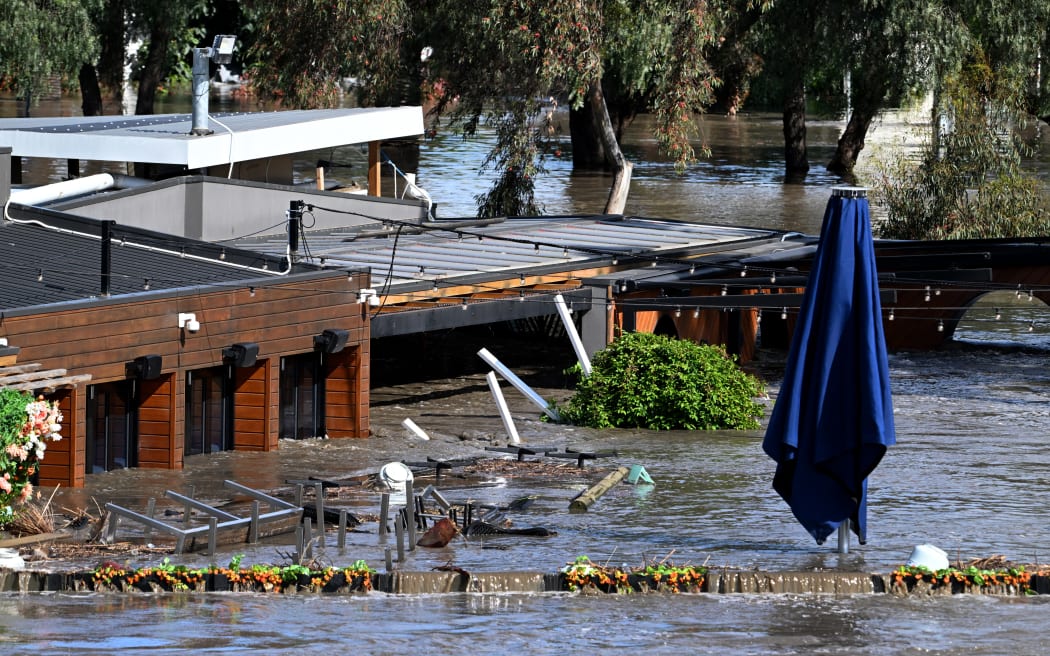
[[237, 137]]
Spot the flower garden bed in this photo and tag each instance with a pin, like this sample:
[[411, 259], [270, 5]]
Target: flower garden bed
[[919, 580], [580, 576], [111, 577]]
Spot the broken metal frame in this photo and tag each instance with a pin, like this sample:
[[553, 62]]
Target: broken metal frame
[[217, 519]]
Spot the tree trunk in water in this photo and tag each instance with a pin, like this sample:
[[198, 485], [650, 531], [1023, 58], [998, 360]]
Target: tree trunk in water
[[112, 50], [796, 164], [585, 133], [90, 93], [614, 159], [866, 103], [154, 69]]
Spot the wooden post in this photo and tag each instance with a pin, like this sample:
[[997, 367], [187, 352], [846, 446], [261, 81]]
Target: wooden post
[[399, 538], [151, 508], [592, 494], [410, 513], [213, 534], [298, 556], [389, 562], [375, 169], [319, 505], [186, 510], [299, 494], [341, 540], [253, 527], [308, 538], [384, 514]]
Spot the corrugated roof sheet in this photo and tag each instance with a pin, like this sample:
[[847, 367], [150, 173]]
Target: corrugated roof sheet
[[41, 266], [513, 245]]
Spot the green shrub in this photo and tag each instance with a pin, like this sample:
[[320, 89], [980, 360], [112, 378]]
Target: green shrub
[[651, 381]]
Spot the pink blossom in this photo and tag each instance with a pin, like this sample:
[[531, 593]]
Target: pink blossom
[[5, 483], [17, 451]]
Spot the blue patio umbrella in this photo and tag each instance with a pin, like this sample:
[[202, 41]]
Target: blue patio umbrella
[[833, 418]]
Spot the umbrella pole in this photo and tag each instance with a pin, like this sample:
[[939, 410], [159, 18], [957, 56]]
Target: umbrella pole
[[844, 537]]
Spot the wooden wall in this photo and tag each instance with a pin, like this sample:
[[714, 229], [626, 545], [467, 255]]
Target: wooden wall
[[251, 398], [282, 316], [345, 393], [159, 420]]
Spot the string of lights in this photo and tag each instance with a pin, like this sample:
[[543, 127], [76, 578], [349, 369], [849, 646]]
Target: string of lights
[[754, 277]]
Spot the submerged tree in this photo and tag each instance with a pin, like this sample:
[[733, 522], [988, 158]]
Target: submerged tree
[[500, 62], [969, 181], [305, 48], [42, 39]]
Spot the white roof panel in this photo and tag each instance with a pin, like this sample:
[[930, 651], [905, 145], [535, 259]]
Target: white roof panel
[[166, 138]]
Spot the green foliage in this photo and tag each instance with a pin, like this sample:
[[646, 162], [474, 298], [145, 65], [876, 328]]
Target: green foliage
[[304, 48], [968, 181], [652, 381], [44, 38]]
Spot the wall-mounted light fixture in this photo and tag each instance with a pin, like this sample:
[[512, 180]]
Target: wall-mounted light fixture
[[241, 354], [188, 321], [146, 367], [332, 340], [368, 296]]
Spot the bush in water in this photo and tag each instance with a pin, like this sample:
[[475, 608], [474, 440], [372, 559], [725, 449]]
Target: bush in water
[[651, 381]]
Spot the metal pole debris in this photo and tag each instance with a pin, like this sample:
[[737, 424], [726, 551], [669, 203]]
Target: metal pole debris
[[415, 429], [574, 336], [587, 498], [511, 378], [504, 411]]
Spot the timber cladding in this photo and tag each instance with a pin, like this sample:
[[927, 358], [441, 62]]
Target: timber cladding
[[281, 316]]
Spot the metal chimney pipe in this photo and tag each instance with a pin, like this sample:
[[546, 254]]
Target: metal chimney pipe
[[201, 57]]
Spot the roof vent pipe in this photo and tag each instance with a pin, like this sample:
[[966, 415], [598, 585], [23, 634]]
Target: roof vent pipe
[[221, 52], [201, 85]]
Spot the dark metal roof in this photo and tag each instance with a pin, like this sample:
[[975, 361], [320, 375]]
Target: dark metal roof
[[50, 257], [442, 256]]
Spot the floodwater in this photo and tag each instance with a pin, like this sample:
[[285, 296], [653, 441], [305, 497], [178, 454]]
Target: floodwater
[[969, 474]]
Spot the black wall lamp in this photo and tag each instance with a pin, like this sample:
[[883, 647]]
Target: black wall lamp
[[241, 354], [332, 340], [146, 367]]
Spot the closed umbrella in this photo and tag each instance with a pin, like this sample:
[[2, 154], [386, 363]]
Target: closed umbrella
[[833, 418]]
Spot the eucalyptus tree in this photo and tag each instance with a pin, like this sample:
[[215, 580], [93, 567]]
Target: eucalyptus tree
[[892, 49], [970, 180], [606, 59], [501, 63], [42, 39]]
